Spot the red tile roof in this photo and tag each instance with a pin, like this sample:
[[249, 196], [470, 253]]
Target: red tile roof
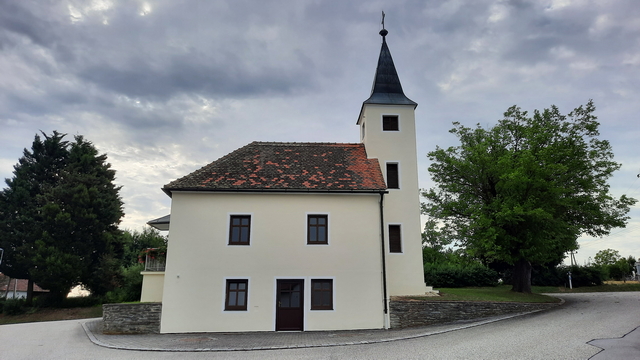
[[274, 166]]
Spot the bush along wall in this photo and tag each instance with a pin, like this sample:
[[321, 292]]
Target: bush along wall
[[559, 275], [456, 275]]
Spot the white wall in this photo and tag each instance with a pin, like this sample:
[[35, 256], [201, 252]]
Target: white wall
[[199, 260], [152, 286], [405, 272], [18, 294]]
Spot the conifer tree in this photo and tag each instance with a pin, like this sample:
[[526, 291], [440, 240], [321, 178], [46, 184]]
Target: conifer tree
[[60, 217]]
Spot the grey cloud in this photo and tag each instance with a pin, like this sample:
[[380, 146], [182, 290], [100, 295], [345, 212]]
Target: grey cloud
[[187, 73], [156, 57], [16, 18]]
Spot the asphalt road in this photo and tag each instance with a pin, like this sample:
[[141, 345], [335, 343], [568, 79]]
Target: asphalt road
[[560, 333]]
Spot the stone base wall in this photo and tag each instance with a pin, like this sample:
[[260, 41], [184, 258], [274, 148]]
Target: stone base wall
[[405, 312], [144, 318], [141, 318]]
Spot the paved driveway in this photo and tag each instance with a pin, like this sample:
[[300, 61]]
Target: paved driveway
[[561, 333]]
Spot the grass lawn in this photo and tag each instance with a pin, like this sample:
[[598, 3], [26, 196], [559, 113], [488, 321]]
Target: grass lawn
[[498, 293], [49, 314], [504, 293], [609, 286]]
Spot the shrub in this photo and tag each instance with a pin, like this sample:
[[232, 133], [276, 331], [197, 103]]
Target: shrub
[[48, 300], [131, 288], [620, 269], [548, 276], [14, 307], [455, 275], [584, 275], [81, 301], [592, 275], [132, 282]]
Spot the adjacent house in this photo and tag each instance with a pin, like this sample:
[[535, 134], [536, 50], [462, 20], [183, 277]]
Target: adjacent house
[[17, 288], [298, 236]]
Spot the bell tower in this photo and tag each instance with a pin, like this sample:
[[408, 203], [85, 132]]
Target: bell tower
[[388, 131]]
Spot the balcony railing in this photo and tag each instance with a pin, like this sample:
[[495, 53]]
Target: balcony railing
[[154, 264]]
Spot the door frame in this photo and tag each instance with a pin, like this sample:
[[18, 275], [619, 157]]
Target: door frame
[[302, 281]]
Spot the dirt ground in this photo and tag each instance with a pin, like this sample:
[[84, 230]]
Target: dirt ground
[[53, 315]]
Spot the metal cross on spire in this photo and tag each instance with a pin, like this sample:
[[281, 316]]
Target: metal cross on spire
[[384, 31]]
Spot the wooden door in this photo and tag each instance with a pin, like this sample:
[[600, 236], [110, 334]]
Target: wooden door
[[290, 305]]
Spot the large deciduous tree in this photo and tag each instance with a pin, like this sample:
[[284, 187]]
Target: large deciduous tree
[[60, 215], [523, 191]]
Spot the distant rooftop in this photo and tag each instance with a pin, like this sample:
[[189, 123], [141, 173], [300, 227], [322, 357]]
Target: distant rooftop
[[161, 223]]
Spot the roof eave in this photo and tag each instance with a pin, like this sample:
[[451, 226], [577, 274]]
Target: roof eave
[[415, 105], [263, 190]]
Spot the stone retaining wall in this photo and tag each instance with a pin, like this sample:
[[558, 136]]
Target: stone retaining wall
[[141, 318], [405, 312], [144, 318]]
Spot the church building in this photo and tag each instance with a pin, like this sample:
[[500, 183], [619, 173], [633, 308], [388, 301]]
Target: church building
[[298, 236]]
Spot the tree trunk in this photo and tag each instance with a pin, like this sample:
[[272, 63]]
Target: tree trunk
[[522, 277], [30, 292], [6, 293]]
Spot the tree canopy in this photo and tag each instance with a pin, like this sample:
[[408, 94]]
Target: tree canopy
[[59, 217], [522, 192], [606, 257], [613, 265]]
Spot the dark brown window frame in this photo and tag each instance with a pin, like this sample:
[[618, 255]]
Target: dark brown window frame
[[239, 227], [395, 238], [235, 307], [320, 292], [310, 227], [393, 175], [390, 123]]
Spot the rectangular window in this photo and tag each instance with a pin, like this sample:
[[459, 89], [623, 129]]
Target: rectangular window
[[395, 240], [237, 291], [239, 229], [390, 123], [322, 294], [317, 229], [392, 176]]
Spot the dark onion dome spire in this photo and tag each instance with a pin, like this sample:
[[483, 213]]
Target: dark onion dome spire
[[386, 89]]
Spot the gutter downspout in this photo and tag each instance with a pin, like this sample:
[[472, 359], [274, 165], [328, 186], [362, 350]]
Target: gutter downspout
[[384, 265]]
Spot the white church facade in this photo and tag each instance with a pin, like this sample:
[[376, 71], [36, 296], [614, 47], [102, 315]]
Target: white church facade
[[299, 236]]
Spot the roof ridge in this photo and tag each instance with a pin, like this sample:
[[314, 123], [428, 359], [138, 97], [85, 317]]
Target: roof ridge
[[298, 143]]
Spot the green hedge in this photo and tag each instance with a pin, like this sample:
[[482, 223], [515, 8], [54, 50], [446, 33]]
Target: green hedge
[[14, 307], [455, 275], [559, 276]]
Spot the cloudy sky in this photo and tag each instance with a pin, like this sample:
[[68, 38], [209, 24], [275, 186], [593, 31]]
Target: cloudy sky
[[164, 87]]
